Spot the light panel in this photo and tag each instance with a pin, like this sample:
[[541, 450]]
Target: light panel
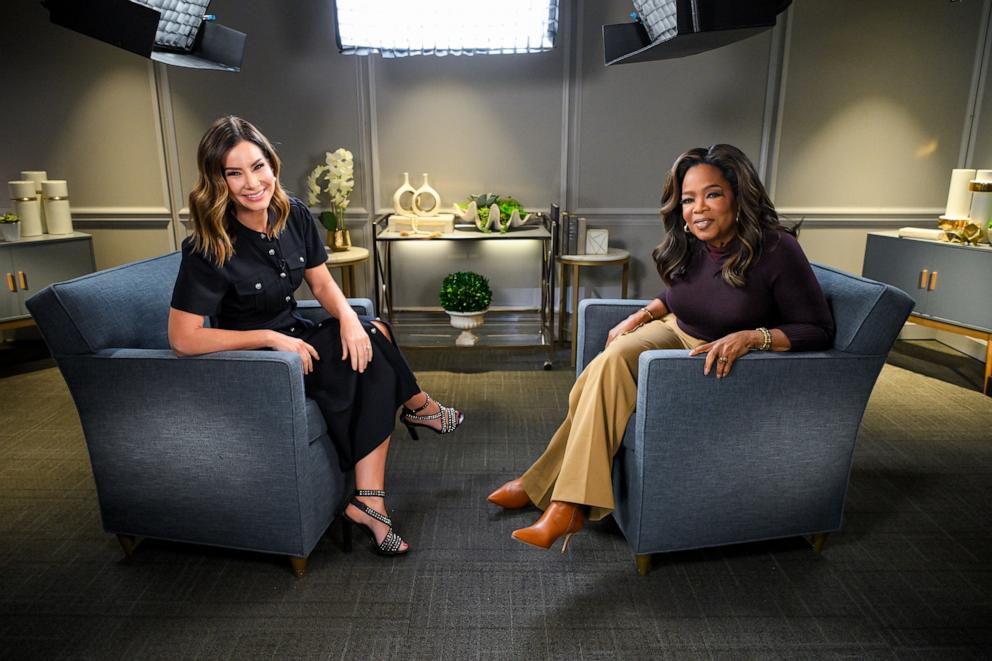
[[398, 28]]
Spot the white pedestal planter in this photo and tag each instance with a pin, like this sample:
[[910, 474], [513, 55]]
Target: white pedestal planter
[[466, 321]]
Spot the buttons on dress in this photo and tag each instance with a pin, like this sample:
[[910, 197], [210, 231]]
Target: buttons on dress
[[292, 329], [282, 275], [258, 285], [372, 331], [287, 298], [272, 251], [301, 259], [262, 235]]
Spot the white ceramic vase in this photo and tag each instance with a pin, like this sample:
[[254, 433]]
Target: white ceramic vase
[[420, 207], [466, 321], [404, 189]]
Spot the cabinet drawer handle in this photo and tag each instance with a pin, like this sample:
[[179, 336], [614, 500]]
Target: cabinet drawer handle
[[933, 281], [923, 278], [23, 279], [10, 282]]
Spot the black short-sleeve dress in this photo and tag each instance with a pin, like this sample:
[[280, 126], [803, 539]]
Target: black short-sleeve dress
[[254, 290]]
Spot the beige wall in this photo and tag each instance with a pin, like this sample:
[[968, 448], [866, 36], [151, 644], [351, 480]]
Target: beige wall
[[856, 111]]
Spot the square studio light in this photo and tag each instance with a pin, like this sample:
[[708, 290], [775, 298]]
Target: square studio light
[[399, 28]]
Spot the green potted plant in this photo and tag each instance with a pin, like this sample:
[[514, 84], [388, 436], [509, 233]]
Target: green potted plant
[[489, 211], [10, 227], [465, 296]]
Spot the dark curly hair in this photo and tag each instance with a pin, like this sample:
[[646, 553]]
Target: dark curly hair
[[756, 214]]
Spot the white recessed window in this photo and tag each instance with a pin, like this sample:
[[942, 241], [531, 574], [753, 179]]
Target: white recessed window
[[397, 28]]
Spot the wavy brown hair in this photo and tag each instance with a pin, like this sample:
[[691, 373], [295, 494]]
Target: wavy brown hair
[[756, 214], [209, 201]]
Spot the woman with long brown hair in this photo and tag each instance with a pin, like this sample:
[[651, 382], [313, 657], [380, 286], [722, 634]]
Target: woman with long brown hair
[[251, 247], [737, 282]]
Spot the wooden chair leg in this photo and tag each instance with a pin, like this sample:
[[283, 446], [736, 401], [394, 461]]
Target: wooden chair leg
[[643, 564], [818, 540], [128, 545], [299, 565]]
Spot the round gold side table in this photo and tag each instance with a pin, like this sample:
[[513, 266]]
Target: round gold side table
[[614, 257], [346, 261]]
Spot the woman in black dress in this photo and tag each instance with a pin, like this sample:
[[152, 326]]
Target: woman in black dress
[[250, 248]]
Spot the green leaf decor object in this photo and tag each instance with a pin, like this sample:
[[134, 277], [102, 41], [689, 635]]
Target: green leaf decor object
[[465, 291]]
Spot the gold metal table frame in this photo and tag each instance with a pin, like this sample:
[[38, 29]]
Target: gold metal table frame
[[614, 257], [383, 240]]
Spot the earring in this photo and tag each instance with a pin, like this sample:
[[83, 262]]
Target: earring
[[685, 227]]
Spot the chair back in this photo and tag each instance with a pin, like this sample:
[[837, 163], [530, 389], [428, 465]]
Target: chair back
[[126, 306], [868, 314]]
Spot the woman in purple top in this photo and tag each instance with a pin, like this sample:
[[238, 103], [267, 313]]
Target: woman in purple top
[[737, 282]]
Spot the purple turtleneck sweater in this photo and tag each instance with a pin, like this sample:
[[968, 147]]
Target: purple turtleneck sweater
[[781, 292]]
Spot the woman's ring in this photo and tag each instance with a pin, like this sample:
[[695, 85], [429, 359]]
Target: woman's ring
[[723, 359]]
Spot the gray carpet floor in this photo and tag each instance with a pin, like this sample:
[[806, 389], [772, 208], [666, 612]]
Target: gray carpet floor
[[909, 576]]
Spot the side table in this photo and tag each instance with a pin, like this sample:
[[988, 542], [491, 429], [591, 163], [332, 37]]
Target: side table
[[346, 261], [614, 257]]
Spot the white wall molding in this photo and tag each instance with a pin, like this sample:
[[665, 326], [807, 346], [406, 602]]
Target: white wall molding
[[169, 146], [969, 133], [89, 213], [775, 135], [774, 91], [571, 97]]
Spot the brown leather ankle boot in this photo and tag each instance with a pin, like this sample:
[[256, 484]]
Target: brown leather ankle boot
[[559, 519], [510, 496]]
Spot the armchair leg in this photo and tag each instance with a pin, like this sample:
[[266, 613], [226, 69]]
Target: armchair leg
[[643, 564], [299, 565], [817, 541], [128, 545]]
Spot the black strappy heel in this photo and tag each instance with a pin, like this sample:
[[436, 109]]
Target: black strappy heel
[[450, 418], [392, 542]]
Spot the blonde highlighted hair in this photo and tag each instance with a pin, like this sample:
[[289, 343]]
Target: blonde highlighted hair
[[210, 202]]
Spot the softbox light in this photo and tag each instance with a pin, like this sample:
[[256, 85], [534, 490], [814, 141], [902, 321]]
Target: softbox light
[[677, 28], [169, 31], [398, 28]]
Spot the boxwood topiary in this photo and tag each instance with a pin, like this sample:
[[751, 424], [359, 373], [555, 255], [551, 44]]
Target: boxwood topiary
[[465, 291]]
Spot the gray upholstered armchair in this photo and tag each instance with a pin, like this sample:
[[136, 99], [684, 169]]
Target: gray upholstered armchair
[[222, 449], [763, 454]]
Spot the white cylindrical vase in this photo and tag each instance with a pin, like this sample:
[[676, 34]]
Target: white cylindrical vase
[[56, 194], [26, 206], [958, 195], [981, 202], [38, 176]]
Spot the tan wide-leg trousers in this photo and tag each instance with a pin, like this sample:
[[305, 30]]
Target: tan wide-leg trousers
[[577, 464]]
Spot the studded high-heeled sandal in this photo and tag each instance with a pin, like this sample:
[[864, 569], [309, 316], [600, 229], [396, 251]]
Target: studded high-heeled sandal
[[450, 418], [391, 543]]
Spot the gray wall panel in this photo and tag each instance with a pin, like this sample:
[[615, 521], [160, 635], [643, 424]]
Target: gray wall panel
[[476, 124], [875, 102], [82, 110], [634, 119], [293, 85]]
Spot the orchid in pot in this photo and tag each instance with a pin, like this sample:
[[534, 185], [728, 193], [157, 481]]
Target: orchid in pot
[[337, 173]]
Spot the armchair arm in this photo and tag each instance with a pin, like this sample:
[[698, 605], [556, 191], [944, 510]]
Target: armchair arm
[[312, 310], [209, 448], [763, 453], [596, 317]]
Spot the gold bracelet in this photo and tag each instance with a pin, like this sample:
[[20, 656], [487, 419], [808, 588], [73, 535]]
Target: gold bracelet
[[648, 313], [766, 342]]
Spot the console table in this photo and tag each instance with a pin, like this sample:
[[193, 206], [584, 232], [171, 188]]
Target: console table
[[950, 283], [382, 258], [32, 263]]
